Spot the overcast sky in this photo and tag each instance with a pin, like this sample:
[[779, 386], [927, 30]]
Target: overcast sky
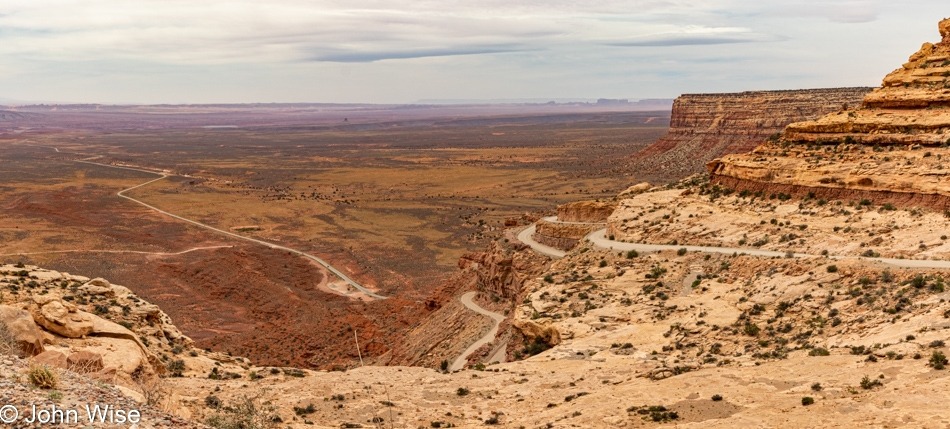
[[398, 51]]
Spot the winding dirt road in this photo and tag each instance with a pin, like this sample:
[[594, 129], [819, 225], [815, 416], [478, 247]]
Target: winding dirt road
[[466, 300], [526, 238], [599, 239], [163, 175], [140, 252]]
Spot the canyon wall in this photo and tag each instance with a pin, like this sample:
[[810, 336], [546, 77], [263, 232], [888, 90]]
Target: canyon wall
[[707, 126], [888, 149]]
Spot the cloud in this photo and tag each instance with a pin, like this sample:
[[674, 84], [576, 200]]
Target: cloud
[[698, 36], [685, 40], [245, 31], [845, 12], [211, 50], [362, 57]]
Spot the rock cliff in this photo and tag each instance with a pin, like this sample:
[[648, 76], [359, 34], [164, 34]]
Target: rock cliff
[[887, 150], [585, 211], [706, 126], [562, 235]]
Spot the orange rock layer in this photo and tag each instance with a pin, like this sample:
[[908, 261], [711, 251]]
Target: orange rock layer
[[890, 149]]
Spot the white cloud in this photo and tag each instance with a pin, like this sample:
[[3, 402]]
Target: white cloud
[[401, 50]]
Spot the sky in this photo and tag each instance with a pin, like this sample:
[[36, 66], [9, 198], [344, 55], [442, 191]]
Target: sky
[[400, 51]]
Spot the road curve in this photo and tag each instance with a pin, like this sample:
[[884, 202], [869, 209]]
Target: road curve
[[140, 252], [599, 239], [466, 300], [333, 270], [526, 237]]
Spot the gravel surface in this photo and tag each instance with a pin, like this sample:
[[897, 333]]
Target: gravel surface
[[73, 392]]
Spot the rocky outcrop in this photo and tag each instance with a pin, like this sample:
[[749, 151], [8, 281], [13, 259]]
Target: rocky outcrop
[[561, 235], [889, 149], [78, 340], [707, 126], [586, 211], [23, 329], [501, 269], [636, 189], [60, 317]]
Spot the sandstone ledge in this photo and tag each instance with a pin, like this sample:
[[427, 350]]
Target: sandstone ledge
[[904, 199]]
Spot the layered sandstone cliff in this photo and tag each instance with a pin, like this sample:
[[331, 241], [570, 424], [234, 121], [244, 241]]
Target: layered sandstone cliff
[[706, 126], [586, 211], [562, 235], [888, 149]]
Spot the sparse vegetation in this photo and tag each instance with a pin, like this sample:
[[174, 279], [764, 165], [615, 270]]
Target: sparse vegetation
[[243, 413], [42, 376]]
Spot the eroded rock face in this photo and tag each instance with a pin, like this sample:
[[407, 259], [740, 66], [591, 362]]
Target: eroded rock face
[[706, 126], [889, 149], [28, 336], [561, 235], [60, 317], [585, 211], [495, 269]]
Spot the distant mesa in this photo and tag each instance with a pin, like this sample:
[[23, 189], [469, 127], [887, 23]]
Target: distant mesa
[[704, 127], [890, 148]]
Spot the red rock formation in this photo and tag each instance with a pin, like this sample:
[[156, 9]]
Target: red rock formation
[[904, 199], [561, 235], [889, 150], [502, 269], [448, 327], [707, 126], [586, 211]]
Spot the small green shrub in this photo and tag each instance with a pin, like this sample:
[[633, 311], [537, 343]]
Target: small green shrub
[[751, 329]]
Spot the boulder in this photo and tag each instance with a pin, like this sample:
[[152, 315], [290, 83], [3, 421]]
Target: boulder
[[638, 188], [98, 286], [84, 362], [106, 375], [124, 350], [52, 358], [23, 329], [135, 396], [147, 312], [59, 317], [98, 282]]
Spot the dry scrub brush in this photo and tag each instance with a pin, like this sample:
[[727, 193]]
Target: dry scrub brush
[[244, 412], [8, 341], [42, 376]]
